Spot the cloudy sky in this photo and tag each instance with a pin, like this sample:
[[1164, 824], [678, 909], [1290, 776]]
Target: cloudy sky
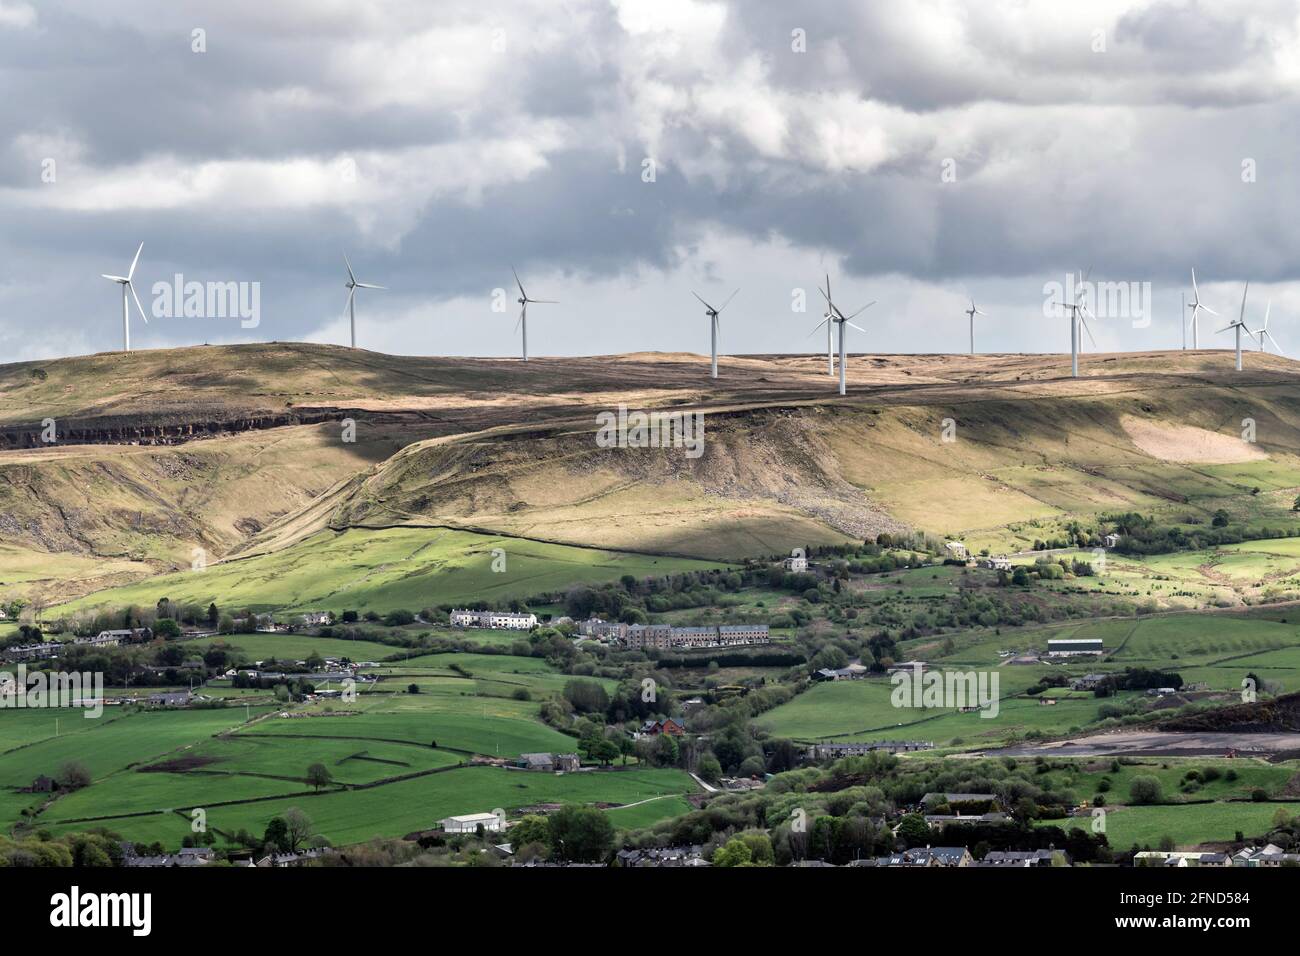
[[622, 153]]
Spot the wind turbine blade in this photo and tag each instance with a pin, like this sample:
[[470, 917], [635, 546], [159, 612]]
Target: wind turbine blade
[[1206, 308], [519, 321], [1242, 317], [115, 278], [1269, 336], [1267, 309], [825, 295], [1196, 294], [978, 312], [518, 283], [351, 295], [852, 326], [817, 327], [542, 301], [139, 307], [859, 312], [1084, 323], [728, 302], [706, 305], [367, 285], [1226, 328], [131, 272], [351, 277]]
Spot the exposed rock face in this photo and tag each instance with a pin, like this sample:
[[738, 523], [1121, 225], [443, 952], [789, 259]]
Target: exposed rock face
[[120, 430]]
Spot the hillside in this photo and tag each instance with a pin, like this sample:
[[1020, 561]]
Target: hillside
[[237, 450]]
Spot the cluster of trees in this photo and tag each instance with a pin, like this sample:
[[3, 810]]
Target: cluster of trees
[[574, 834]]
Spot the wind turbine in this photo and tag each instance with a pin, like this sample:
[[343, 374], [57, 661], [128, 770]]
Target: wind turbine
[[523, 301], [1239, 324], [352, 285], [1263, 332], [972, 312], [1078, 310], [827, 316], [125, 283], [712, 313], [1197, 308], [833, 314]]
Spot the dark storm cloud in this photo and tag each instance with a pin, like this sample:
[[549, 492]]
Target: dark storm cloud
[[491, 133]]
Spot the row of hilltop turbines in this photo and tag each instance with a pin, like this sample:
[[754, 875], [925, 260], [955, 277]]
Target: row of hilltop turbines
[[832, 319]]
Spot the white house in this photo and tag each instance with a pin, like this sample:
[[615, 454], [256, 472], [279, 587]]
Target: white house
[[502, 620], [314, 618], [1111, 540], [956, 550], [470, 822], [796, 562]]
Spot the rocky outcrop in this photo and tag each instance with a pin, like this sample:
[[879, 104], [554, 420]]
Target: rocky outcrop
[[123, 430]]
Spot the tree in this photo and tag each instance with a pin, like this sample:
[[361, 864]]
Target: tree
[[74, 775], [734, 853], [213, 615], [533, 828], [277, 835], [298, 827], [1220, 519], [318, 776], [581, 834], [708, 768], [914, 830], [1145, 789], [586, 696]]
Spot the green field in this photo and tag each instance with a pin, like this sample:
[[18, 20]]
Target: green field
[[399, 808], [409, 568]]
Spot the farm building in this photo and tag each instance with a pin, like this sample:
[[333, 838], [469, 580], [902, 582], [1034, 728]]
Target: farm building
[[1073, 646], [796, 562], [997, 562], [470, 822], [653, 728], [956, 550]]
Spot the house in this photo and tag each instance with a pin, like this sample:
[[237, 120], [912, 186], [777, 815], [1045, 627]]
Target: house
[[1087, 682], [1074, 646], [500, 620], [1180, 859], [929, 856], [796, 563], [1161, 691], [1111, 540], [662, 856], [999, 562], [836, 751], [671, 727], [1021, 858], [956, 550], [544, 762], [470, 822], [41, 784], [316, 618], [178, 699], [937, 821], [852, 672], [664, 636], [567, 763]]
